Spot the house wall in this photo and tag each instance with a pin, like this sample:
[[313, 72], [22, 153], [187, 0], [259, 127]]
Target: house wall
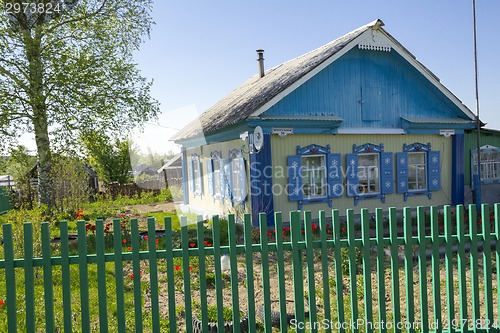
[[206, 204], [284, 146]]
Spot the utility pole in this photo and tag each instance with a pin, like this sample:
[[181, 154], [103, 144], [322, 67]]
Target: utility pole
[[477, 176]]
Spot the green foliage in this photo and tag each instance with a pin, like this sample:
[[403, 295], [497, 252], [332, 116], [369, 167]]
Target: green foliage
[[111, 158], [72, 72]]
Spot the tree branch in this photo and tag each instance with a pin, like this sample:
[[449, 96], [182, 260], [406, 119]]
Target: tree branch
[[76, 19], [11, 75]]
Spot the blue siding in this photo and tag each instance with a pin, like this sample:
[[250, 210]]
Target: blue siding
[[261, 183], [458, 170], [367, 88]]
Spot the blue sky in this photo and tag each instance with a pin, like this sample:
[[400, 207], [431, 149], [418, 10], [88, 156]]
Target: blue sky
[[199, 51]]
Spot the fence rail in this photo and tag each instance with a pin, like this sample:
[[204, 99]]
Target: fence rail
[[422, 272]]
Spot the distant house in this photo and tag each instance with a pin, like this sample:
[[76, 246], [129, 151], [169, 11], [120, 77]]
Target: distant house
[[357, 123], [490, 165], [172, 171]]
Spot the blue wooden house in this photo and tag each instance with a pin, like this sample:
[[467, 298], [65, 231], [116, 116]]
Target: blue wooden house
[[357, 123]]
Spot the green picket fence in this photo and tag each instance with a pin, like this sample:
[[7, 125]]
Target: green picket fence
[[430, 270]]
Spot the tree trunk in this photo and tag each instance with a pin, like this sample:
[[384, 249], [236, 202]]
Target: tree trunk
[[40, 120]]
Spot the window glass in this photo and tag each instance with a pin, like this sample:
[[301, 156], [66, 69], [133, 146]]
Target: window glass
[[197, 176], [216, 177], [314, 176], [368, 173], [417, 175]]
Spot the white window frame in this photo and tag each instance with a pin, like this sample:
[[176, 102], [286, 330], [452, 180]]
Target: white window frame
[[413, 171], [311, 174], [368, 185]]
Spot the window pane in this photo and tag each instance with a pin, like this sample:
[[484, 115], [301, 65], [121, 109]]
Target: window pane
[[417, 171], [314, 176], [368, 173]]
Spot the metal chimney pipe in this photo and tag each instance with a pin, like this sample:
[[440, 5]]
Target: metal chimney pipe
[[260, 59]]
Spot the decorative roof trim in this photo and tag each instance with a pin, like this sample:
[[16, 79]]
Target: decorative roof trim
[[374, 41], [370, 130]]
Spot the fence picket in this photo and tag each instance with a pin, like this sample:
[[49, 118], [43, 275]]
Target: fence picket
[[497, 257], [66, 278], [119, 285], [337, 259], [153, 275], [136, 274], [217, 269], [10, 276], [298, 287], [169, 260], [462, 283], [280, 263], [435, 272], [234, 273], [101, 276], [249, 271], [487, 262], [408, 264], [29, 279], [203, 273], [84, 276], [422, 268], [266, 287], [47, 278], [474, 277], [367, 270], [324, 270], [393, 236], [186, 275], [379, 236], [311, 283], [450, 275]]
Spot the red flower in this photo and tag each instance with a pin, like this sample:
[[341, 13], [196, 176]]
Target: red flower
[[146, 237], [209, 244], [344, 228], [157, 240], [191, 244], [328, 231], [269, 233], [314, 227], [205, 242], [492, 218], [131, 276], [2, 302], [124, 240], [190, 268], [129, 249], [177, 268]]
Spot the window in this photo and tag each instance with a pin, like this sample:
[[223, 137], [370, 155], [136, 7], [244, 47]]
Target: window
[[369, 172], [418, 170], [195, 177], [490, 164], [314, 175], [417, 175], [368, 175], [236, 176], [215, 175]]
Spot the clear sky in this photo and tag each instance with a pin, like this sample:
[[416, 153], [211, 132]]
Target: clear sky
[[199, 50]]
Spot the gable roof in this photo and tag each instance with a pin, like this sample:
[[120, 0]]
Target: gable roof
[[258, 94]]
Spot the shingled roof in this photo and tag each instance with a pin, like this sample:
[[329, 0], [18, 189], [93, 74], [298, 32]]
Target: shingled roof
[[253, 94], [257, 91]]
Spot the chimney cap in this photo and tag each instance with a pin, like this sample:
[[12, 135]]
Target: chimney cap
[[260, 50]]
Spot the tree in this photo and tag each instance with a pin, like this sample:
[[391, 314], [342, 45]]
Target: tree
[[66, 70], [111, 159]]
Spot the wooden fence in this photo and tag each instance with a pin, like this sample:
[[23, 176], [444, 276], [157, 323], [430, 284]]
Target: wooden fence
[[431, 270]]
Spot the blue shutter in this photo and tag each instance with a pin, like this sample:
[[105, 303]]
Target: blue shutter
[[402, 172], [352, 174], [191, 176], [434, 170], [210, 175], [334, 176], [294, 178], [243, 180], [386, 177]]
